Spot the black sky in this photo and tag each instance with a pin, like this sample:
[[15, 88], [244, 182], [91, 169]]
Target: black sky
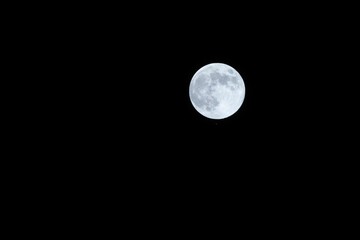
[[129, 77], [124, 119]]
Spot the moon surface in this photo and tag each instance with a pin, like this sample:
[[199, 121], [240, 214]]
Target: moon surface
[[217, 91]]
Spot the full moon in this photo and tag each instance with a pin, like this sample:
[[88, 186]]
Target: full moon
[[217, 91]]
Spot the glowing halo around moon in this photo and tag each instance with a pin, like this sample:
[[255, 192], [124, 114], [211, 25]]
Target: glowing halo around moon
[[217, 91]]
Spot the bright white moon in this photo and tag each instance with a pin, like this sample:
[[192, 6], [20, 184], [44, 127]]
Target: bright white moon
[[217, 91]]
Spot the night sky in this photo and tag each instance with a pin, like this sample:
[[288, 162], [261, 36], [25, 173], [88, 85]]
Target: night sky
[[129, 92], [127, 120]]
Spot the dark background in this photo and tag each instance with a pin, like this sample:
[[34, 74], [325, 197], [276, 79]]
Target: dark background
[[125, 100], [119, 125], [127, 82]]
